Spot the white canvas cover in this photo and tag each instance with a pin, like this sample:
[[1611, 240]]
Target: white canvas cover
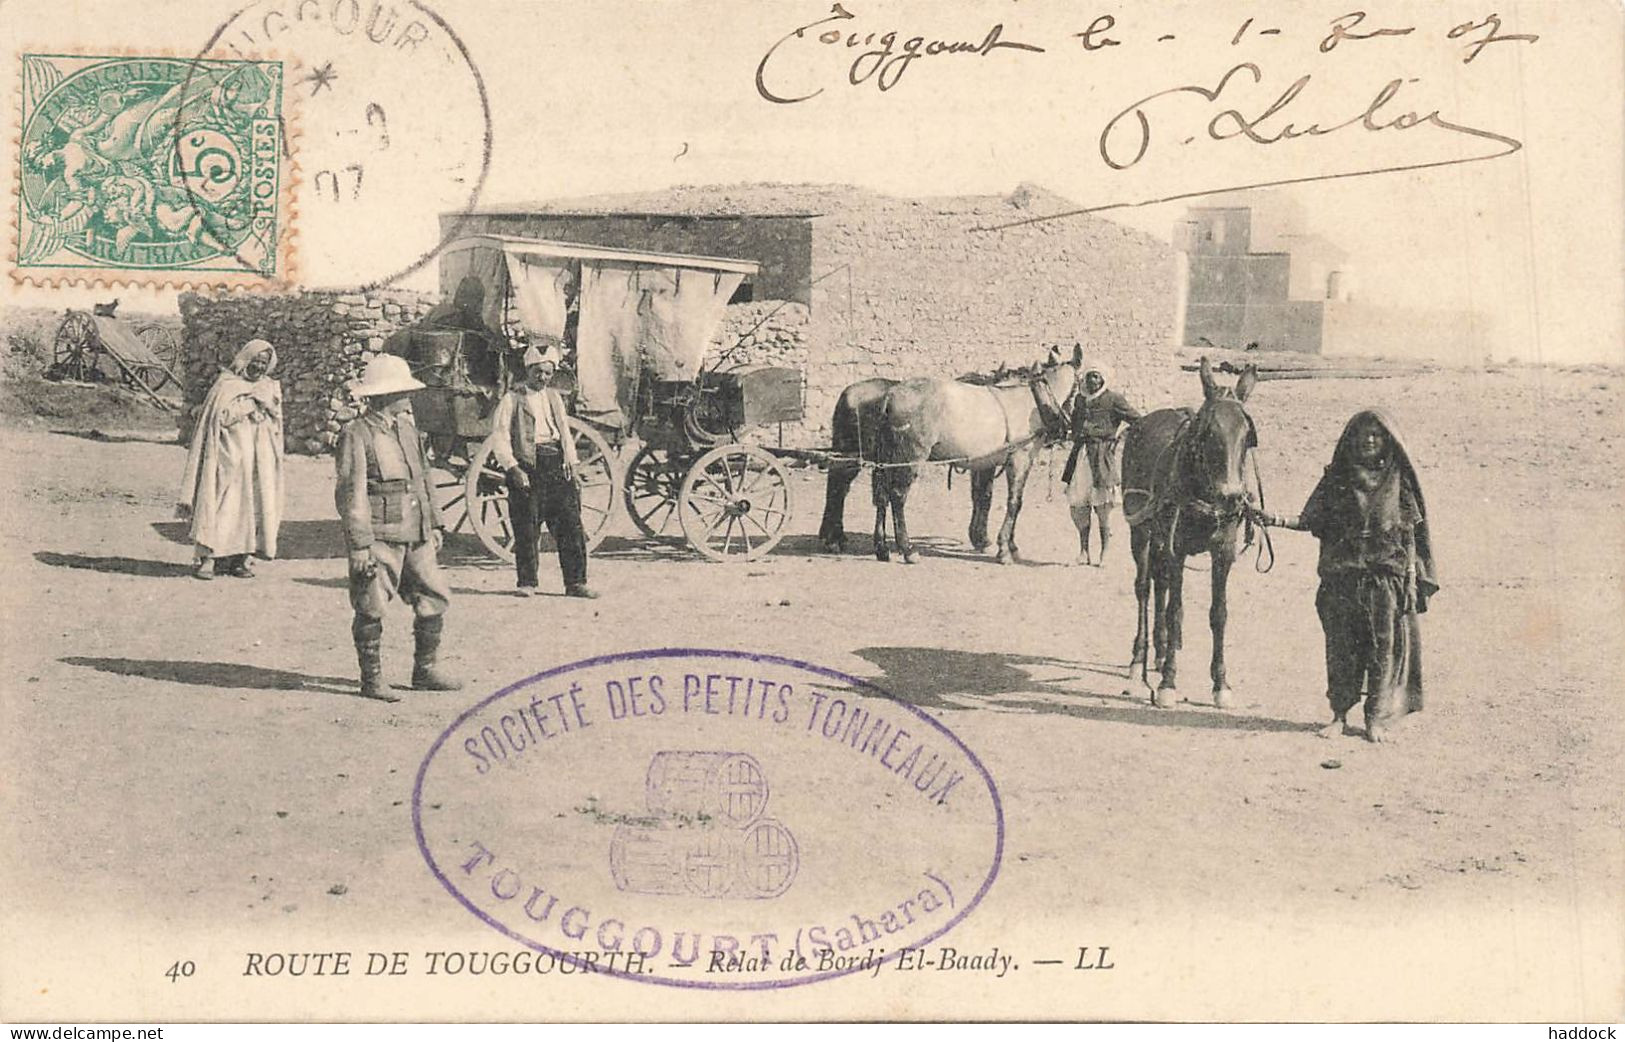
[[637, 319], [540, 286], [680, 309], [607, 343], [642, 315]]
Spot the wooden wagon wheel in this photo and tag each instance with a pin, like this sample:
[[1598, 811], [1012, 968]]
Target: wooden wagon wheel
[[734, 503], [73, 352], [653, 482], [485, 492], [448, 469], [161, 342], [154, 377]]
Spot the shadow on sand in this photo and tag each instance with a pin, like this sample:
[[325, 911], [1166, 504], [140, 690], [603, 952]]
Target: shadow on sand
[[224, 675], [925, 677], [139, 437], [115, 565], [296, 540]]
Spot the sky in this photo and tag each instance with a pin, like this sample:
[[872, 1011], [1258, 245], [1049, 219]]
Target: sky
[[629, 96]]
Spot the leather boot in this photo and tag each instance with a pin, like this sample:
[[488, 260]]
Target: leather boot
[[369, 638], [426, 633]]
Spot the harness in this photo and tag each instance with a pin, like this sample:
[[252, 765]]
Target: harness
[[1169, 496], [1055, 417]]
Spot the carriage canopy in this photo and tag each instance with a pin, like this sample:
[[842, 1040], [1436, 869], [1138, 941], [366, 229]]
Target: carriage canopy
[[639, 316]]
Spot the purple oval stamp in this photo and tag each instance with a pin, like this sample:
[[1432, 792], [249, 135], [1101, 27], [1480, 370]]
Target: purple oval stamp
[[708, 819]]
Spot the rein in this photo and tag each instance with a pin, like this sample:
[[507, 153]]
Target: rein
[[1182, 445], [1053, 417]]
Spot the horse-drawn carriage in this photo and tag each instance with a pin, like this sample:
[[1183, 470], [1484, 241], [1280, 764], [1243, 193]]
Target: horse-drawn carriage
[[655, 430]]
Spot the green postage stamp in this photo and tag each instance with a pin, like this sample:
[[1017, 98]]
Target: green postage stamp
[[152, 170]]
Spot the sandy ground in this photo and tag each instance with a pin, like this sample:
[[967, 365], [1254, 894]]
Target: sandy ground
[[189, 775]]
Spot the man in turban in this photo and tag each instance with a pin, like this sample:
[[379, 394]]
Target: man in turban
[[534, 446], [1093, 474], [232, 488]]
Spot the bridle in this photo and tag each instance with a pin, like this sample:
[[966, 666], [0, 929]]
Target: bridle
[[1188, 446], [1055, 413], [1225, 513]]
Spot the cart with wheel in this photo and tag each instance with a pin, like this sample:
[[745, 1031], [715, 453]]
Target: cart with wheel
[[100, 347], [653, 432]]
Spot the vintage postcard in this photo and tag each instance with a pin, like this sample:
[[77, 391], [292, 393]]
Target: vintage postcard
[[760, 511]]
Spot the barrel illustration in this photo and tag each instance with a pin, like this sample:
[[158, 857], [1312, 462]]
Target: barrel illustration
[[706, 861], [729, 788], [696, 861], [768, 859]]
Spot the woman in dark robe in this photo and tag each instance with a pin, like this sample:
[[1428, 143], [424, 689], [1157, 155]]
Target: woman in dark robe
[[1376, 573]]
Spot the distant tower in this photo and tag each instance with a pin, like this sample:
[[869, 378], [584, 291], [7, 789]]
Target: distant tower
[[1236, 298]]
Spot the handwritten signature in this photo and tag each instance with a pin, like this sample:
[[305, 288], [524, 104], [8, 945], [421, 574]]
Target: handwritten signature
[[886, 58], [1126, 137], [1268, 127]]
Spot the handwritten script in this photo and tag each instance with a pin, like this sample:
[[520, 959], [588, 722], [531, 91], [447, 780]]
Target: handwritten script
[[1246, 105]]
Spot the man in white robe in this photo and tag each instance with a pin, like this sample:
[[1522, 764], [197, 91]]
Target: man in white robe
[[232, 489]]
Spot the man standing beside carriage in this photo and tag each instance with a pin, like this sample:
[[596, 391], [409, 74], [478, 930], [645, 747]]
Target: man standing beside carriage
[[535, 449]]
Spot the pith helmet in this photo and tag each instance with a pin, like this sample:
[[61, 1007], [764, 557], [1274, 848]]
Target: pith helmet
[[385, 374]]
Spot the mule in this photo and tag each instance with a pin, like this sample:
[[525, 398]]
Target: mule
[[1184, 494], [980, 429]]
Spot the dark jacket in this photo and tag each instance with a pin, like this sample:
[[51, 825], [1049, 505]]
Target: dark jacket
[[383, 492], [1373, 521], [512, 417], [1100, 418]]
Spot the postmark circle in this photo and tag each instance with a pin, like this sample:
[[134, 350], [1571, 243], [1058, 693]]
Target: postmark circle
[[713, 819], [394, 129]]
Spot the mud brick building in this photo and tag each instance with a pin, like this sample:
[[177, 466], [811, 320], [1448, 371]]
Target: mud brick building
[[1302, 298], [854, 284], [1236, 298]]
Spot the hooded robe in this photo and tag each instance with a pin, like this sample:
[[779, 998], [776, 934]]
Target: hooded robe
[[233, 479], [1376, 574]]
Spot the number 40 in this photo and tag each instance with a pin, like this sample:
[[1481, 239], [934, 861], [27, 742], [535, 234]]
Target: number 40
[[180, 969]]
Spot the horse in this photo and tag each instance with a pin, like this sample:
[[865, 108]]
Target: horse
[[854, 430], [1186, 468], [981, 429]]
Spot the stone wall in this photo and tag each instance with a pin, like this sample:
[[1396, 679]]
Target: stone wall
[[913, 289], [323, 339], [903, 287], [763, 332], [899, 288]]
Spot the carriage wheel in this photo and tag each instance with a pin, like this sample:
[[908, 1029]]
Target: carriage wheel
[[73, 352], [653, 482], [161, 342], [155, 377], [600, 484], [448, 469], [734, 503], [485, 493]]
